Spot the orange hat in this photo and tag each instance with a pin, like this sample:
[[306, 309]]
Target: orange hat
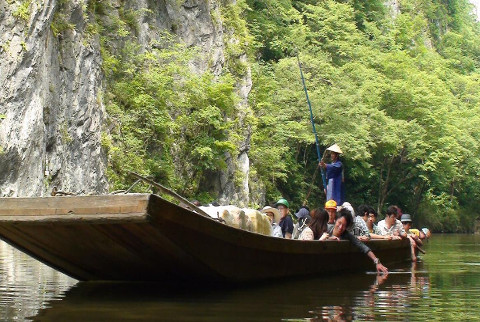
[[331, 204]]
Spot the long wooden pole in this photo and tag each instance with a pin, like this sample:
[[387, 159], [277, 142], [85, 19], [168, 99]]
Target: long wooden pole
[[171, 193], [324, 180]]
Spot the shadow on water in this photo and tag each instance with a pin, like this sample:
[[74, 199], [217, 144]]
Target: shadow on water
[[363, 296]]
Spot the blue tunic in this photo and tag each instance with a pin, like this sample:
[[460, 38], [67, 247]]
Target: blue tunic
[[334, 182]]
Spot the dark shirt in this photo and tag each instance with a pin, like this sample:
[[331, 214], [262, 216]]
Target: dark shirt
[[354, 240], [286, 224]]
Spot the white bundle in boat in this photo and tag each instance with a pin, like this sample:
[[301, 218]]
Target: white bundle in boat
[[220, 212], [240, 220], [246, 219], [261, 224]]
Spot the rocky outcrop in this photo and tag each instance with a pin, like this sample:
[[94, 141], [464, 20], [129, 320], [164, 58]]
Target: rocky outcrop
[[51, 86], [50, 95]]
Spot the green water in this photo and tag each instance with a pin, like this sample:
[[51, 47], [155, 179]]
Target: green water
[[445, 285]]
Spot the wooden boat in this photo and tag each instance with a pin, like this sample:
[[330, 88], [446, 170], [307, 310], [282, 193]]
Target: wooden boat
[[135, 237]]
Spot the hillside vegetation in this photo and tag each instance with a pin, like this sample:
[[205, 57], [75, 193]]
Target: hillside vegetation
[[396, 88]]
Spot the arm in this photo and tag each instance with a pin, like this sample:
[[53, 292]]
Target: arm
[[417, 240], [354, 240], [376, 261], [375, 236], [324, 236]]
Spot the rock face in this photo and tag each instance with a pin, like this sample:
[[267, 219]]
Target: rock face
[[49, 94], [51, 87]]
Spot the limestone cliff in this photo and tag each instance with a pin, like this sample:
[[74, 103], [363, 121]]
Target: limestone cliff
[[52, 86], [49, 94]]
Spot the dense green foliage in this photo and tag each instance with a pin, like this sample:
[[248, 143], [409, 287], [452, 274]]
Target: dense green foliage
[[398, 91], [398, 94], [164, 120]]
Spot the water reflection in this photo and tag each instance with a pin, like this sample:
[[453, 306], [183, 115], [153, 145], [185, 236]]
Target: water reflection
[[336, 298], [387, 297], [445, 286], [26, 285]]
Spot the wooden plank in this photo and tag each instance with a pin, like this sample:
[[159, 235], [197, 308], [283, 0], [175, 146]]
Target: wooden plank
[[75, 219], [74, 204], [37, 248]]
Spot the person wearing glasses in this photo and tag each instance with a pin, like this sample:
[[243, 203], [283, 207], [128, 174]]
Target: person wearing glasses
[[286, 221]]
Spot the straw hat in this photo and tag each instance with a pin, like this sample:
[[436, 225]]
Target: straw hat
[[274, 211], [335, 148]]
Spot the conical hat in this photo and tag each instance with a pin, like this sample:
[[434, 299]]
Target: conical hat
[[335, 148]]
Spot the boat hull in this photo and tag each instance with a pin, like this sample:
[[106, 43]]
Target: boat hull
[[142, 237]]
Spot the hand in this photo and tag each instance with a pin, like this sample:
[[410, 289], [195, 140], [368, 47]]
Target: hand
[[388, 237], [324, 236], [381, 278], [363, 238], [382, 269], [396, 237], [334, 238]]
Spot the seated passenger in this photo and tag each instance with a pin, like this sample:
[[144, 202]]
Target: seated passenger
[[417, 232], [369, 215], [427, 233], [359, 227], [317, 228], [391, 226], [331, 208], [304, 219], [286, 221], [274, 215], [415, 241], [339, 232]]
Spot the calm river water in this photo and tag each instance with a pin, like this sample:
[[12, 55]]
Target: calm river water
[[445, 285]]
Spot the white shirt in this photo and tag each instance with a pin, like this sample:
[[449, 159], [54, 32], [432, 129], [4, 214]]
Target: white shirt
[[307, 234], [397, 227], [276, 230]]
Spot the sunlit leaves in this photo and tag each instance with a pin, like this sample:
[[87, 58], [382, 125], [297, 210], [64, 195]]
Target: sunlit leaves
[[399, 94]]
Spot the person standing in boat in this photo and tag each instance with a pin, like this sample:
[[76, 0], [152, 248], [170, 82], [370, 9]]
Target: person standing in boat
[[340, 232], [334, 175], [286, 221]]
